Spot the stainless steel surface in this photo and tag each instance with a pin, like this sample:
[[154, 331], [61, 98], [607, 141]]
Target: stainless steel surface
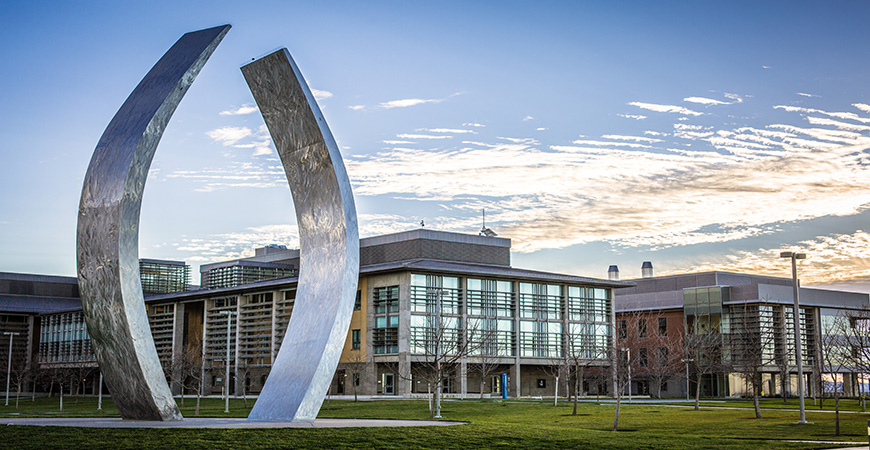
[[108, 231], [329, 241]]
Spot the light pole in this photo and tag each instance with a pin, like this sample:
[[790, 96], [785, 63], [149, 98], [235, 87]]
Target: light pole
[[439, 293], [628, 363], [687, 361], [229, 315], [797, 328], [9, 364]]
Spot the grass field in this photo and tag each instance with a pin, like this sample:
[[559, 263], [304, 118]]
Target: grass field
[[491, 424]]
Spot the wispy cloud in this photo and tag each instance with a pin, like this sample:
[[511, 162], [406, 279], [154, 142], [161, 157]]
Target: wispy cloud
[[321, 95], [831, 258], [447, 130], [244, 109], [357, 107], [666, 108], [404, 103], [423, 136], [472, 124], [229, 135], [704, 101], [632, 116], [260, 142], [803, 94], [528, 118], [631, 191]]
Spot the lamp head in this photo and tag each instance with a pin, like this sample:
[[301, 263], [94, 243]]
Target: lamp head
[[786, 254]]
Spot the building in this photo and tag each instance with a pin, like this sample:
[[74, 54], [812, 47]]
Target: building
[[418, 291], [743, 319], [50, 340]]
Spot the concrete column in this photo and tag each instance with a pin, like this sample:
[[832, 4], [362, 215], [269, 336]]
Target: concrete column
[[515, 376], [238, 328], [177, 346]]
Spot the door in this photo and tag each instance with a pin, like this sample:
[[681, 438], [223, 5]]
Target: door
[[389, 383]]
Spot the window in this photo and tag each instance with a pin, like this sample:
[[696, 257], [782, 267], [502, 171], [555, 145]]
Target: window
[[623, 329], [642, 358], [663, 356], [355, 339], [357, 304], [385, 336], [663, 326], [641, 328]]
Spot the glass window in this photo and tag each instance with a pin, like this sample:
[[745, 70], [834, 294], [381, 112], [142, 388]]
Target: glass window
[[355, 339], [641, 328], [663, 326]]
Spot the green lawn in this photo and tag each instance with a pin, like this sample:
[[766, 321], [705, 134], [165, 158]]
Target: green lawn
[[492, 424]]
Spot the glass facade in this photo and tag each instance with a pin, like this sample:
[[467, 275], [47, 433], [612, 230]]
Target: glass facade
[[385, 335]]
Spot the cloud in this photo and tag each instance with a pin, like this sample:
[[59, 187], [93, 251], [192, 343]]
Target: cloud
[[422, 136], [666, 108], [806, 95], [630, 191], [229, 135], [404, 103], [398, 142], [704, 101], [472, 124], [260, 142], [631, 138], [541, 129], [528, 118], [357, 107], [862, 106], [447, 130], [321, 95], [832, 258], [632, 116], [247, 108]]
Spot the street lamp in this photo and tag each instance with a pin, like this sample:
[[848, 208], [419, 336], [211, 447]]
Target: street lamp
[[797, 328], [439, 293], [687, 361], [628, 363], [9, 364], [229, 315]]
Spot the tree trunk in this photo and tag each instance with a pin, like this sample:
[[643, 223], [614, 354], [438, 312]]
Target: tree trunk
[[756, 389], [556, 392], [836, 409], [17, 395], [60, 390], [576, 391], [616, 414], [482, 386], [196, 413], [698, 393]]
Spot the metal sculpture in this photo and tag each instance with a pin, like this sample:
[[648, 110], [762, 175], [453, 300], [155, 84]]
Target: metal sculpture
[[108, 231], [329, 241]]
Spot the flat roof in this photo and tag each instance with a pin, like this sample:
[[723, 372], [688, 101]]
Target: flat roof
[[422, 265]]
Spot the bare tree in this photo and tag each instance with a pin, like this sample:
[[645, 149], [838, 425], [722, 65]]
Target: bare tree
[[703, 350], [356, 364], [559, 369], [753, 342], [839, 355], [583, 350], [485, 350], [21, 372], [439, 345]]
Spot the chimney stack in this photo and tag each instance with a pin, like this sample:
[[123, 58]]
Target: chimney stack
[[613, 273], [646, 270]]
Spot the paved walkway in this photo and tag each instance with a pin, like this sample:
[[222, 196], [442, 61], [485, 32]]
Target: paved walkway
[[202, 422]]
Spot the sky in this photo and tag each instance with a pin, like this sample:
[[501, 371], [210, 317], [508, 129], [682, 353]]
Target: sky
[[696, 135]]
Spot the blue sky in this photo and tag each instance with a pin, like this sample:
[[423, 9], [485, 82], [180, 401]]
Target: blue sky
[[697, 135]]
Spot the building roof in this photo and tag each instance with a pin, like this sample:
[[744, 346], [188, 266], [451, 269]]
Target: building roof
[[421, 265], [37, 304], [666, 292]]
